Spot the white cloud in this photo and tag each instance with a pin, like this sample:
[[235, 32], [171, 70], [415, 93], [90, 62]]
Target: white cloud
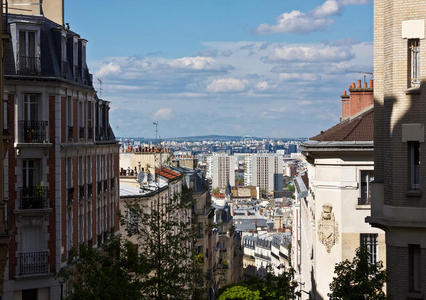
[[227, 85], [328, 8], [304, 103], [295, 22], [108, 69], [194, 63], [299, 76], [263, 85], [315, 20], [311, 53], [163, 113]]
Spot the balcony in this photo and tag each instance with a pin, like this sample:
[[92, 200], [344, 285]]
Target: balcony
[[31, 263], [81, 132], [34, 198], [70, 133], [28, 65], [33, 131]]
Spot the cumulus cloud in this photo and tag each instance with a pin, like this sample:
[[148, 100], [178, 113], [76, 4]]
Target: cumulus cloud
[[299, 76], [315, 20], [163, 113], [194, 63], [109, 68], [227, 85], [295, 22], [311, 53], [263, 85]]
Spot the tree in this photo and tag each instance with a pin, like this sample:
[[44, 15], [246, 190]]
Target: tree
[[104, 273], [165, 237], [359, 279], [281, 287]]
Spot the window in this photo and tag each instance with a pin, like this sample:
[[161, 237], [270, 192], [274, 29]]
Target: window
[[80, 171], [414, 62], [5, 114], [367, 177], [69, 172], [89, 169], [30, 107], [69, 111], [27, 51], [414, 157], [369, 240], [414, 268]]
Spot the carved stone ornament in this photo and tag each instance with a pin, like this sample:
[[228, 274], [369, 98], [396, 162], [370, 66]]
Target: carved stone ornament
[[327, 228]]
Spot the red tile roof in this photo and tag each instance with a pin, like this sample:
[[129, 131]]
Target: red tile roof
[[359, 128], [167, 173]]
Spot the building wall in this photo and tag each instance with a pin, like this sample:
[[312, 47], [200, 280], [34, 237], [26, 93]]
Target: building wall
[[396, 208]]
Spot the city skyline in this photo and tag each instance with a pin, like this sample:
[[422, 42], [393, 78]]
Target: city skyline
[[239, 68]]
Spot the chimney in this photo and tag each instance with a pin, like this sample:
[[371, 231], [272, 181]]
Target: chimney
[[359, 99], [371, 84], [359, 84], [346, 102]]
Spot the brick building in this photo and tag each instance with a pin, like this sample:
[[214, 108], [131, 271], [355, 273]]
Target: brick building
[[399, 203], [62, 164]]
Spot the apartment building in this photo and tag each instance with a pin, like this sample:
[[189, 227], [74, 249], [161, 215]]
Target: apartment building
[[264, 171], [61, 168], [333, 197], [399, 204], [222, 170]]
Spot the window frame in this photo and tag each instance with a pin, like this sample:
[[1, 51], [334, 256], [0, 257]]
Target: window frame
[[413, 48], [414, 167], [370, 241]]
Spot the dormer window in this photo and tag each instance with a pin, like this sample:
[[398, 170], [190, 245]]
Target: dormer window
[[27, 55]]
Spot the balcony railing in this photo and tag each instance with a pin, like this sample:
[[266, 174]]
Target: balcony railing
[[81, 132], [28, 65], [33, 263], [33, 131], [34, 198], [70, 133]]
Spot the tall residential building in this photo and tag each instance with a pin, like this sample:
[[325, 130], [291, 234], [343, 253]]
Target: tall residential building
[[4, 140], [62, 164], [222, 170], [264, 171], [334, 197], [399, 203]]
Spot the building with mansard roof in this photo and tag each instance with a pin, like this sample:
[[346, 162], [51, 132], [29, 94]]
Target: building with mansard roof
[[62, 164]]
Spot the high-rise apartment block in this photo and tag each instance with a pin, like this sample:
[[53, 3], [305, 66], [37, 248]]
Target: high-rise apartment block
[[264, 171], [222, 170], [399, 200], [61, 168]]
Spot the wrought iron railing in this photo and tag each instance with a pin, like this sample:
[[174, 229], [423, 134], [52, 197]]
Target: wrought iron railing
[[34, 197], [33, 262], [33, 131], [28, 65]]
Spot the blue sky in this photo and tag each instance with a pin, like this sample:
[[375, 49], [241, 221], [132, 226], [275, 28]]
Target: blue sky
[[254, 67]]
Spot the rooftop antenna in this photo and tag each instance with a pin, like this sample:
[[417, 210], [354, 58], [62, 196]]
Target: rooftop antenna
[[362, 72], [100, 87]]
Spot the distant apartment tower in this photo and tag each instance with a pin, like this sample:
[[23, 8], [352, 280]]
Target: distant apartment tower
[[62, 162], [399, 189], [222, 170], [264, 171]]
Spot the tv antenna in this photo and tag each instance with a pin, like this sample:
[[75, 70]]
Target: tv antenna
[[362, 72], [100, 87], [155, 123]]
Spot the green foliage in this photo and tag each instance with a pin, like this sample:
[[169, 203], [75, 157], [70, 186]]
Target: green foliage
[[240, 293], [290, 187], [358, 280], [216, 191], [102, 273], [163, 264], [269, 288]]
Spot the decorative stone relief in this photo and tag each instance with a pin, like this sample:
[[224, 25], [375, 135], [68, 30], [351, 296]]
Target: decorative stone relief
[[327, 227]]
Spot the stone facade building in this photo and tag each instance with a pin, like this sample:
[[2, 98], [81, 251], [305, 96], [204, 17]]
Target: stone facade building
[[399, 203], [334, 197], [62, 162]]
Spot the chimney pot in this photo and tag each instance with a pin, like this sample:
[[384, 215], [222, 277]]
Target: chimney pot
[[371, 83], [365, 85], [359, 84], [344, 93]]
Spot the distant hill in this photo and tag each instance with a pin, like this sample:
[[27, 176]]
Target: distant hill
[[200, 138]]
